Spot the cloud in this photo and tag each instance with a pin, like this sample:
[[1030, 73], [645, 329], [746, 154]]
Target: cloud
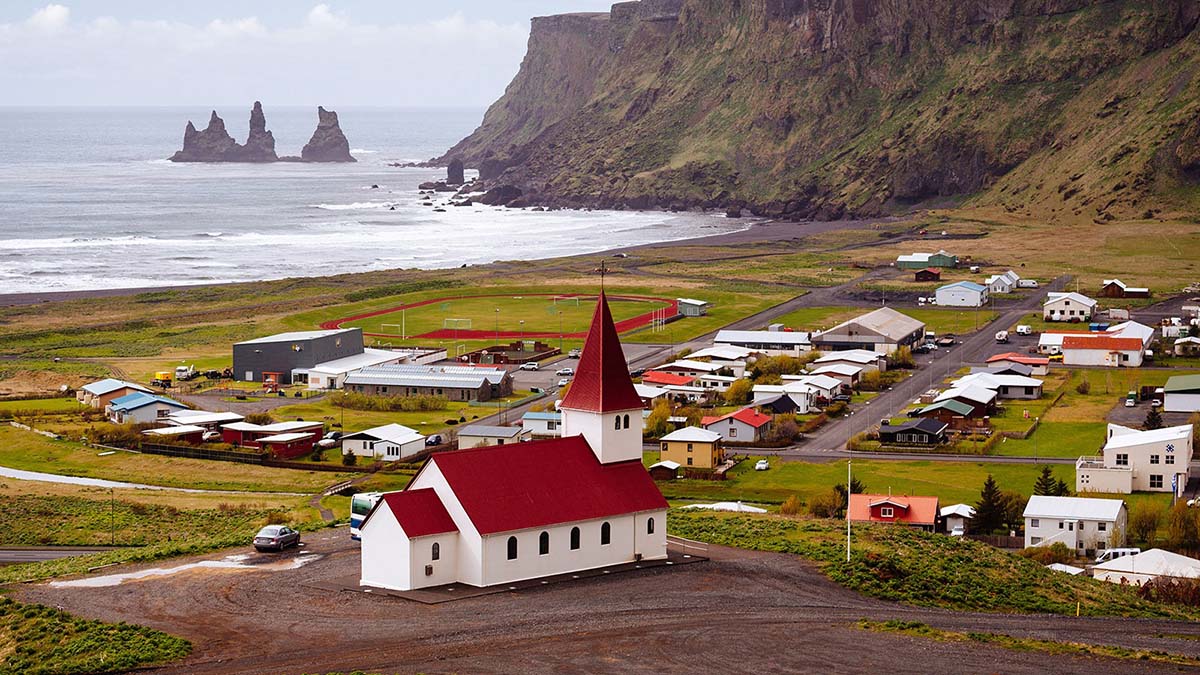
[[319, 56]]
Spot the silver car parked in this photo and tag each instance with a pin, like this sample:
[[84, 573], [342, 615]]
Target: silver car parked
[[276, 538]]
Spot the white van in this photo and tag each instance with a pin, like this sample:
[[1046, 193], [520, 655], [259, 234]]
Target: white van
[[1114, 553], [1024, 329], [1027, 283]]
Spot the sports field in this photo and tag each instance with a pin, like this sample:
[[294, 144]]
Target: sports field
[[482, 317]]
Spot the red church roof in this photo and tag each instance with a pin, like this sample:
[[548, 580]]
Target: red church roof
[[602, 383], [419, 512], [525, 485]]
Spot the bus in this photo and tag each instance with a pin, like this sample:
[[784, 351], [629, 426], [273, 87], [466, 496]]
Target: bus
[[360, 505]]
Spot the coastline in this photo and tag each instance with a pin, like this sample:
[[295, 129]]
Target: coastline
[[755, 231]]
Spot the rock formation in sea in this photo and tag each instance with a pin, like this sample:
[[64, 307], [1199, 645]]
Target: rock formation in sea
[[214, 144], [454, 172], [328, 143]]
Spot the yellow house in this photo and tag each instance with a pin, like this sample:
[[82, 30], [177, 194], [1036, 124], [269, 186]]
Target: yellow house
[[693, 447]]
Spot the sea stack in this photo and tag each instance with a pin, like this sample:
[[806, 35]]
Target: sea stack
[[214, 144], [454, 172], [260, 144], [328, 143]]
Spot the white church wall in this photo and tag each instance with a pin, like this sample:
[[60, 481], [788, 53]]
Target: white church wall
[[385, 551], [470, 550]]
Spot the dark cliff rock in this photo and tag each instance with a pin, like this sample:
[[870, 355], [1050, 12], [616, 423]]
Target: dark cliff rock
[[328, 143], [454, 172], [214, 144], [813, 108]]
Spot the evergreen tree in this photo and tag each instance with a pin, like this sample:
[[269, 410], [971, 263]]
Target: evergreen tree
[[1061, 489], [989, 510], [1013, 510], [1154, 419], [843, 497], [1045, 485]]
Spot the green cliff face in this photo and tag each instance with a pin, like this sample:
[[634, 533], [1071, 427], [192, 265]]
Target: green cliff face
[[827, 108]]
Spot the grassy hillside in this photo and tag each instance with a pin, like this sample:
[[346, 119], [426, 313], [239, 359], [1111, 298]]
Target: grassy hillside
[[1085, 109]]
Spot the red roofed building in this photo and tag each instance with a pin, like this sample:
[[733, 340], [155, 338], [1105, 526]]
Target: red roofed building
[[501, 514], [661, 379], [1039, 364], [919, 512], [744, 426], [1102, 350]]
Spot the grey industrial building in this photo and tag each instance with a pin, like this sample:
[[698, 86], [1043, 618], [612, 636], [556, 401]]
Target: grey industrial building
[[881, 331], [278, 355]]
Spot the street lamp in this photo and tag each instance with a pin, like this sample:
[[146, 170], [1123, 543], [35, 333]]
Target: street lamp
[[560, 331], [497, 325]]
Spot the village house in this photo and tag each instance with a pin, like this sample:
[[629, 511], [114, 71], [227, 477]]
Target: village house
[[926, 432], [141, 408], [497, 515], [693, 447], [716, 383], [691, 307], [210, 421], [962, 294], [184, 433], [866, 359], [1039, 365], [743, 426], [1181, 394], [664, 470], [824, 386], [690, 393], [1187, 346], [697, 368], [916, 261], [723, 354], [779, 404], [919, 512], [1115, 288], [981, 399], [882, 331], [389, 442], [1003, 369], [485, 435], [957, 517], [289, 445], [1005, 386], [332, 374], [1068, 307], [1103, 351], [664, 379], [247, 435], [848, 374], [542, 424], [927, 274], [956, 414], [1140, 568], [649, 394], [803, 396], [1138, 461], [1002, 283], [99, 394], [1084, 525], [777, 342]]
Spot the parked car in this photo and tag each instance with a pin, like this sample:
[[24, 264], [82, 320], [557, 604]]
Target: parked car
[[762, 465], [435, 439], [565, 372], [564, 382], [957, 531], [1129, 403], [1024, 329], [575, 353], [529, 365], [1157, 403], [637, 372], [276, 538], [210, 436]]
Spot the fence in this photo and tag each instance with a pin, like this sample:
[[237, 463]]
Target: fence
[[204, 453], [998, 540]]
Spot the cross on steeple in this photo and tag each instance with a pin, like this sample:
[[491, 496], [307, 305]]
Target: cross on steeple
[[603, 270]]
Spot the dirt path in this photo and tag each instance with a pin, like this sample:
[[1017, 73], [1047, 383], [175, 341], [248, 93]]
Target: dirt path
[[741, 612]]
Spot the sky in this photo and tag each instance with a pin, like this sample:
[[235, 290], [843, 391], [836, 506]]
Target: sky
[[440, 53]]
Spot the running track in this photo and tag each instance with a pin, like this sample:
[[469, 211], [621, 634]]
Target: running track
[[453, 334]]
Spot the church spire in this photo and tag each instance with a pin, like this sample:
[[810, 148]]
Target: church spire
[[602, 383]]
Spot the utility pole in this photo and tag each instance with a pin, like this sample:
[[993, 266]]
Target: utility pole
[[112, 517]]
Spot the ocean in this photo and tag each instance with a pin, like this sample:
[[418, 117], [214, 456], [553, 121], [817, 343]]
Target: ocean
[[88, 201]]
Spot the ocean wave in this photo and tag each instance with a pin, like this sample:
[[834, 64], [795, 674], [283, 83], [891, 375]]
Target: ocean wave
[[360, 151], [355, 206]]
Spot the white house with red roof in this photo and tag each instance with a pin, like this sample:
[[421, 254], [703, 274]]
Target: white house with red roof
[[501, 514], [744, 426]]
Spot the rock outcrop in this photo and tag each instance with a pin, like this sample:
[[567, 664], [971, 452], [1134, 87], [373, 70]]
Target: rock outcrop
[[328, 143], [813, 108], [454, 172], [214, 144]]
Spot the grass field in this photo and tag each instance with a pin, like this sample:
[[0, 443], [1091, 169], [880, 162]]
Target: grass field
[[32, 452], [49, 405]]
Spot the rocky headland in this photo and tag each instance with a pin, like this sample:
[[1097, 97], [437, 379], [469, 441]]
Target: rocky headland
[[214, 144], [815, 109]]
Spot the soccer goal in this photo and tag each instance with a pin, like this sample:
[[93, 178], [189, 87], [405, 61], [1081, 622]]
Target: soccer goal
[[460, 349], [456, 324], [398, 329], [566, 300]]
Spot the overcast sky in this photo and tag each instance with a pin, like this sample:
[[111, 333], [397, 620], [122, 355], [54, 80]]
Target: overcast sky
[[289, 52]]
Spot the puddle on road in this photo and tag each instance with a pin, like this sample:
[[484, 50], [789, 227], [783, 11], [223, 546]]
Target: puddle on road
[[236, 562]]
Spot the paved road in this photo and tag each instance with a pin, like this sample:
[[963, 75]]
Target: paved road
[[11, 556]]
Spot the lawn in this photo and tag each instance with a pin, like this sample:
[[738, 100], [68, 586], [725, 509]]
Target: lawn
[[32, 452], [952, 482], [426, 422], [1057, 439], [46, 405]]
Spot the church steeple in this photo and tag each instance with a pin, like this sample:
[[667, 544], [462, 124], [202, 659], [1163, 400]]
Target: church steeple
[[602, 404]]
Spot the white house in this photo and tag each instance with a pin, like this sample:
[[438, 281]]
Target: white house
[[962, 294], [802, 395], [1006, 386], [1146, 566], [1002, 283], [480, 435], [957, 516], [501, 514], [389, 442], [100, 393], [1182, 394], [203, 418], [332, 374], [1068, 307], [1138, 461], [866, 359], [693, 368], [727, 353], [1102, 351], [1083, 525], [141, 408], [825, 386], [848, 374], [542, 424], [743, 426], [769, 342], [717, 383]]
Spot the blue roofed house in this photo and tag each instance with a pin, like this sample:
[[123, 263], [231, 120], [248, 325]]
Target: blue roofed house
[[100, 393], [962, 294], [142, 408], [542, 424]]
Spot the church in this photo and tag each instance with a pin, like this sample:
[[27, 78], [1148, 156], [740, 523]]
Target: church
[[507, 513]]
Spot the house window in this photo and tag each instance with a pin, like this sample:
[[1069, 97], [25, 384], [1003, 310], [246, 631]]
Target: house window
[[1122, 459], [383, 390], [605, 534], [1071, 526], [1156, 480], [436, 552], [512, 548], [1034, 522], [574, 538], [1060, 524], [551, 425], [689, 447], [649, 526], [665, 446], [1033, 541], [544, 543], [886, 512], [1170, 459], [732, 432], [689, 462], [1154, 459], [617, 423], [627, 421], [1099, 546], [1101, 527]]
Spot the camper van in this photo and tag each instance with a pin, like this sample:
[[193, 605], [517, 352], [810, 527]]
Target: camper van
[[1114, 553], [1027, 283]]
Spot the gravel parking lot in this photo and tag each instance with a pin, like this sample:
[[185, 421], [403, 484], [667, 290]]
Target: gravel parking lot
[[740, 612]]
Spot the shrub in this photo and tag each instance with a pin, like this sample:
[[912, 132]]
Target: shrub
[[349, 459], [1057, 552], [825, 505], [871, 381], [739, 392], [1144, 520], [791, 506], [783, 432], [260, 418], [835, 409], [901, 358], [354, 401], [1174, 590], [1084, 387], [1182, 531], [656, 422], [814, 424]]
